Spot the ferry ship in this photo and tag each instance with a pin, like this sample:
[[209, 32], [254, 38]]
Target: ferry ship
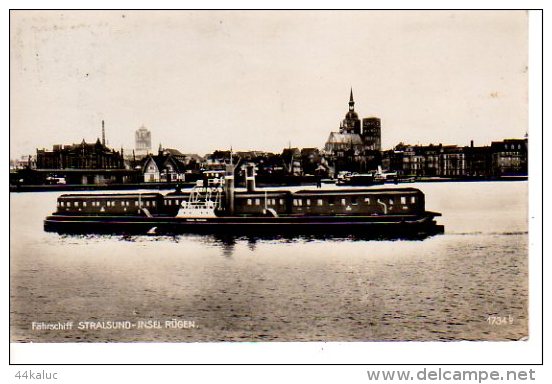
[[214, 206]]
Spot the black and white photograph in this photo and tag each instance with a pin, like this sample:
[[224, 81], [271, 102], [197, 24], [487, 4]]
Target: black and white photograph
[[265, 176]]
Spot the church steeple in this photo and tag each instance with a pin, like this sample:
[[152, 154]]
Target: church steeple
[[351, 101], [351, 123]]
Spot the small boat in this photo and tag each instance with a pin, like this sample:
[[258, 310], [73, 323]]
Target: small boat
[[214, 206], [358, 179]]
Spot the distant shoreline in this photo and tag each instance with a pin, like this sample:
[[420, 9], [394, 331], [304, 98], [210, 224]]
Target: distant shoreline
[[159, 186]]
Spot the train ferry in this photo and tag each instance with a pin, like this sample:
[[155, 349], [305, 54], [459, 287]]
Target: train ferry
[[214, 206]]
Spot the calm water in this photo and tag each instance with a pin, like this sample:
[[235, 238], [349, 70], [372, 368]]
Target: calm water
[[441, 288]]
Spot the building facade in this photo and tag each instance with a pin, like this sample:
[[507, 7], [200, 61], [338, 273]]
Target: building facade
[[79, 156], [509, 157], [502, 158], [83, 163], [142, 139], [163, 168]]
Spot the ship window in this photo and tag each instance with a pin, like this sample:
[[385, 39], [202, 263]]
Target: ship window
[[343, 201], [354, 201], [62, 204], [68, 203], [412, 199], [320, 202], [403, 199], [308, 202], [391, 201], [147, 203], [153, 203], [249, 202], [135, 203], [281, 201], [76, 203], [168, 202], [84, 203], [331, 201], [367, 200], [176, 202], [257, 201]]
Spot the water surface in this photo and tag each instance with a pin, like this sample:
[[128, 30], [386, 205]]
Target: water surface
[[302, 289]]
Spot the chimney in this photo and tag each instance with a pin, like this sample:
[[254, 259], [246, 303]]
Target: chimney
[[103, 133], [471, 143], [229, 188], [250, 177]]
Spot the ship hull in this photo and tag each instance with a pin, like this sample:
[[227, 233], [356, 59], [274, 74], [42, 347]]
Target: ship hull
[[380, 225]]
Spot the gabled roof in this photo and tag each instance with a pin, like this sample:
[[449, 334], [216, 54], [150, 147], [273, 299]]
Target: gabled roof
[[161, 162], [344, 138]]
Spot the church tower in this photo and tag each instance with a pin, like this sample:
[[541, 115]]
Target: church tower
[[351, 123]]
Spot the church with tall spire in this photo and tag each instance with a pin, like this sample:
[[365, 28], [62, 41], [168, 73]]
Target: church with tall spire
[[356, 146], [351, 122]]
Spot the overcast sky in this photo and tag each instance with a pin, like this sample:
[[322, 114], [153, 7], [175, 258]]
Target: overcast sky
[[208, 80]]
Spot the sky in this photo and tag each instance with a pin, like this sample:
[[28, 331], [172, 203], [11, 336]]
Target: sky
[[264, 80]]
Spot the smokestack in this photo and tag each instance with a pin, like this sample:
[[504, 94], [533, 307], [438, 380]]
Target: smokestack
[[471, 143], [229, 189], [250, 177], [103, 132]]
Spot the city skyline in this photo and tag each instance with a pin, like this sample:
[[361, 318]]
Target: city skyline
[[201, 81]]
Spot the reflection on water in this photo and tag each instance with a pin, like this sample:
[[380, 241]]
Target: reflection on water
[[227, 242], [299, 288]]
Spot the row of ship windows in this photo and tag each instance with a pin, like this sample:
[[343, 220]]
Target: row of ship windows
[[296, 202], [268, 201], [330, 201], [146, 203]]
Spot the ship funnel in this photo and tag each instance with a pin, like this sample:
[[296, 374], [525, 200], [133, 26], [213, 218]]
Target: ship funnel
[[250, 177], [229, 188]]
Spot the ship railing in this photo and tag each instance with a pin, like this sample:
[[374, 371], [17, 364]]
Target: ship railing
[[205, 196]]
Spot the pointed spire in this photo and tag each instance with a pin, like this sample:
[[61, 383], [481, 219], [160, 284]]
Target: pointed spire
[[351, 101]]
